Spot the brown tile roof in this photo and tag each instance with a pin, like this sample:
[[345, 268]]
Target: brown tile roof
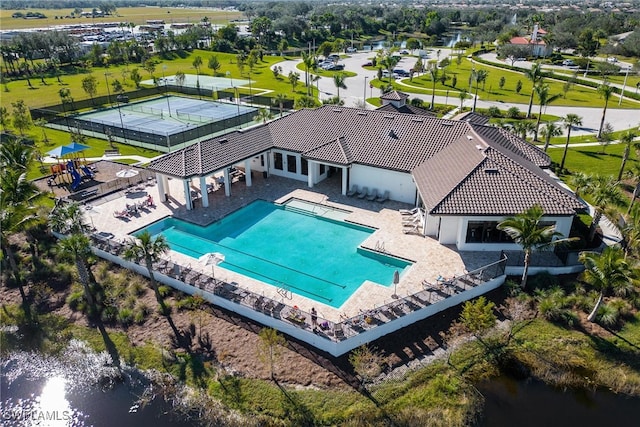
[[472, 117], [406, 109], [394, 95], [474, 176], [448, 158]]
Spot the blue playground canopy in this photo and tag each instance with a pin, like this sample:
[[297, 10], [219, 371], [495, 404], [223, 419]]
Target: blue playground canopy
[[64, 150]]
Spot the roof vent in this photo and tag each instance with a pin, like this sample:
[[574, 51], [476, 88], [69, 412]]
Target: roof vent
[[392, 134], [417, 120], [478, 146], [337, 110], [388, 117], [223, 140], [469, 137], [362, 113], [491, 170], [447, 124]]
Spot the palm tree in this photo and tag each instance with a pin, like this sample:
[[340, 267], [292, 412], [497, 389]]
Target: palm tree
[[16, 155], [479, 76], [197, 63], [338, 80], [308, 60], [433, 73], [535, 75], [294, 78], [606, 90], [279, 99], [542, 91], [525, 229], [570, 120], [462, 95], [150, 250], [549, 131], [68, 219], [580, 182], [263, 114], [604, 192], [631, 233], [78, 247], [635, 174], [605, 272], [627, 139]]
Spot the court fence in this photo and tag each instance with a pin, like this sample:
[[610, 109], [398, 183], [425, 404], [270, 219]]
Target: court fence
[[67, 114]]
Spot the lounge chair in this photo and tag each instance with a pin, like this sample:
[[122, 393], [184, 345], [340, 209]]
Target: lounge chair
[[414, 220], [408, 211], [362, 194], [383, 198], [374, 194], [353, 191], [411, 229]]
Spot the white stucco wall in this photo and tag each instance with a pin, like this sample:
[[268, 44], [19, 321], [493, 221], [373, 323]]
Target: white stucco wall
[[449, 230], [399, 184]]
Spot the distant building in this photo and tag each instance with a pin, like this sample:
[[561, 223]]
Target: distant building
[[535, 42]]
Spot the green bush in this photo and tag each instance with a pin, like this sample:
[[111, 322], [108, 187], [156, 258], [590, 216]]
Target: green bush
[[125, 316], [76, 301]]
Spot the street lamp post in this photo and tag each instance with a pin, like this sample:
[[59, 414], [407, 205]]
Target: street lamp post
[[229, 77], [164, 67], [624, 86], [364, 97], [235, 90]]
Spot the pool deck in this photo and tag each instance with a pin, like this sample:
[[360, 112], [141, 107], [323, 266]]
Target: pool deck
[[431, 259]]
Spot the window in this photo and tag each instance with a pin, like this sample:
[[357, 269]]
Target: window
[[486, 232], [322, 168], [304, 167], [277, 161], [292, 164]]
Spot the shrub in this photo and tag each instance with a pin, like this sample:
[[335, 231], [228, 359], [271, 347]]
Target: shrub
[[140, 314], [75, 300], [109, 314], [513, 113], [125, 316], [494, 111]]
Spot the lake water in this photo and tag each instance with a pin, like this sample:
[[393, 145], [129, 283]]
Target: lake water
[[532, 403]]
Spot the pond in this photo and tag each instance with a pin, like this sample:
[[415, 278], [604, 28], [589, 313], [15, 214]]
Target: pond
[[510, 402]]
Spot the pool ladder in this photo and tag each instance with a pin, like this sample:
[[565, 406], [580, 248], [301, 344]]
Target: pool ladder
[[380, 247], [284, 292]]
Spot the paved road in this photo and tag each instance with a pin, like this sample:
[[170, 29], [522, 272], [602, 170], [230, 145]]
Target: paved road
[[619, 118]]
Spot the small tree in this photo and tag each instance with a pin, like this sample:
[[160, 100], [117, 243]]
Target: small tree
[[549, 131], [90, 86], [518, 86], [279, 99], [179, 76], [606, 136], [502, 82], [136, 78], [626, 139], [42, 124], [570, 120], [478, 317], [21, 117], [270, 348], [606, 90], [263, 114], [294, 78], [338, 81], [367, 362], [214, 64]]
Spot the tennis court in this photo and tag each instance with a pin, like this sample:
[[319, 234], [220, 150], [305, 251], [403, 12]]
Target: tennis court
[[166, 121], [205, 82]]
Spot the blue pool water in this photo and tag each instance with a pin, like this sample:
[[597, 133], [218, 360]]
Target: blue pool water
[[315, 257]]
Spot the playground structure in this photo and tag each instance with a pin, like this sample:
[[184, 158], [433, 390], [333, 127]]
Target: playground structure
[[71, 169]]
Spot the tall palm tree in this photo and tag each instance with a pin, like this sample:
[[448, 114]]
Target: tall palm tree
[[338, 80], [78, 247], [627, 139], [608, 271], [631, 233], [150, 250], [16, 155], [606, 90], [525, 229], [280, 99], [544, 99], [462, 95], [535, 75], [604, 192], [479, 76], [570, 120], [263, 114], [433, 73], [68, 219], [308, 60], [550, 130], [634, 172]]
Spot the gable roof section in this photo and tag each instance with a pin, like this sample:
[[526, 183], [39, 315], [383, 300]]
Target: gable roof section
[[472, 117], [336, 152], [498, 136], [394, 95], [476, 177]]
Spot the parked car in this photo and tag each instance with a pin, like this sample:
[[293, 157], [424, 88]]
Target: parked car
[[351, 49], [568, 63], [368, 64], [404, 52], [336, 67], [122, 98], [612, 59], [333, 57], [401, 72]]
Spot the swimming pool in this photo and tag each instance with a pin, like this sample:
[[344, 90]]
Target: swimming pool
[[312, 256]]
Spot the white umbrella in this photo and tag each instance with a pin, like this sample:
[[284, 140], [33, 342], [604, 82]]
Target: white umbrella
[[212, 259], [127, 173]]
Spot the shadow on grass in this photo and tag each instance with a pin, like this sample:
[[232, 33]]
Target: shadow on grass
[[294, 410]]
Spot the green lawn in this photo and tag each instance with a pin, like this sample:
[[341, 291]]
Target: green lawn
[[591, 159], [490, 90]]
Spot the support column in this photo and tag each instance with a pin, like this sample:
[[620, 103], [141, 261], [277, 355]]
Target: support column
[[345, 175], [203, 192], [187, 194], [160, 184], [311, 169], [247, 172], [227, 183], [165, 180]]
